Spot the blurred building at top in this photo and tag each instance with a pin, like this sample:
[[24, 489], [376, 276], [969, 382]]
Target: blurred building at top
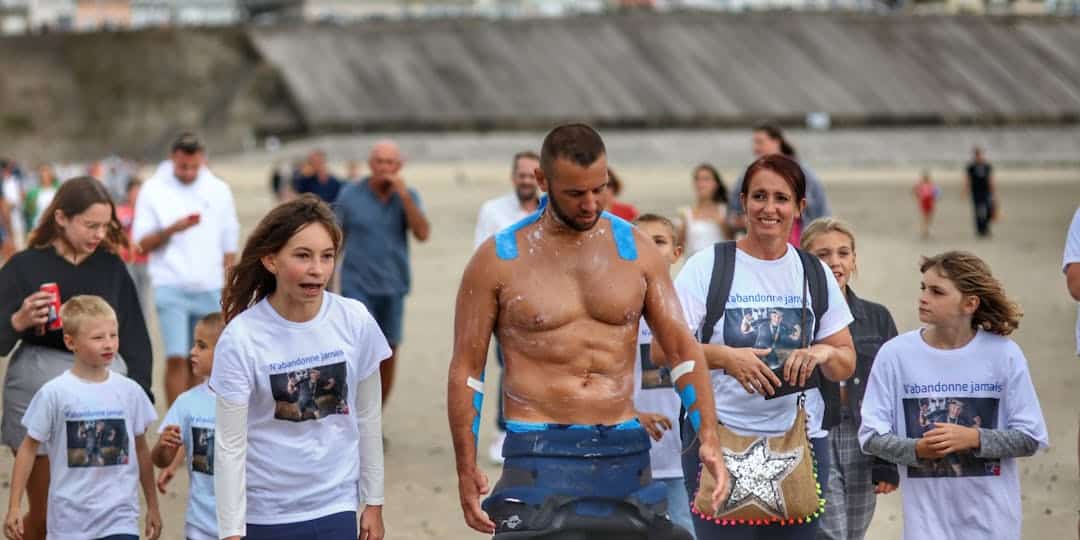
[[23, 16], [20, 16]]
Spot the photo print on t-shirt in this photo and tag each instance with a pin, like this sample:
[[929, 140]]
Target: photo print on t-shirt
[[202, 449], [921, 415], [651, 374], [98, 442], [779, 329], [310, 393]]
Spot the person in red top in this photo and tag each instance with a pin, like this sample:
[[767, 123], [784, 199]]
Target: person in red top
[[133, 256], [926, 192], [623, 210]]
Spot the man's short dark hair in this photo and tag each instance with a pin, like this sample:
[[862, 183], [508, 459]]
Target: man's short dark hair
[[578, 143], [526, 154], [187, 143]]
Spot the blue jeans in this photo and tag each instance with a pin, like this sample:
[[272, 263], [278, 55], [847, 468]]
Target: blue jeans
[[339, 526], [707, 530], [678, 503], [120, 537]]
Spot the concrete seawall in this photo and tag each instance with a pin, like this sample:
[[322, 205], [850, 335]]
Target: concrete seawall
[[680, 70], [77, 96]]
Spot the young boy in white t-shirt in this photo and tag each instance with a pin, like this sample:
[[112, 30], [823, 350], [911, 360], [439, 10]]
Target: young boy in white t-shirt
[[654, 395], [189, 424], [954, 405], [93, 422]]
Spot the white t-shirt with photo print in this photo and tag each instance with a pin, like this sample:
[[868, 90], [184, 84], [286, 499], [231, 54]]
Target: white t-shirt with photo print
[[665, 455], [89, 429], [297, 380], [984, 384], [193, 412], [759, 288]]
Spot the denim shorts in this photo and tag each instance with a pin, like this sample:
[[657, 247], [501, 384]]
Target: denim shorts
[[178, 311], [387, 309]]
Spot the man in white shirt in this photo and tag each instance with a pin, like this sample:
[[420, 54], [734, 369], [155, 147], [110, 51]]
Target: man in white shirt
[[185, 220], [495, 215], [502, 212]]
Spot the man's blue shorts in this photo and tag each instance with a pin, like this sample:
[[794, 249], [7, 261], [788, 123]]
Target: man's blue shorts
[[388, 310], [178, 310], [574, 481]]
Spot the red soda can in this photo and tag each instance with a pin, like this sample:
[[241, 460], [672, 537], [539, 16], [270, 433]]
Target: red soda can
[[54, 322]]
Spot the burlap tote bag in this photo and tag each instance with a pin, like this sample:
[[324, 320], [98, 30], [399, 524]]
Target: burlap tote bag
[[773, 479]]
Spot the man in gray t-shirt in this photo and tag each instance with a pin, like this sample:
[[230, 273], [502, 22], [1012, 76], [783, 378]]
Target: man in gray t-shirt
[[376, 215]]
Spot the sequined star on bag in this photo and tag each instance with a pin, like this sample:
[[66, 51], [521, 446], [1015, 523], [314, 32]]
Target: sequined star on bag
[[773, 479]]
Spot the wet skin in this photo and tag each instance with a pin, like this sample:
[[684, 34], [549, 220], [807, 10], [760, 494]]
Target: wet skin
[[566, 313]]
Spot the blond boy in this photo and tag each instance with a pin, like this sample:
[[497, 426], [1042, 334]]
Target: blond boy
[[93, 422]]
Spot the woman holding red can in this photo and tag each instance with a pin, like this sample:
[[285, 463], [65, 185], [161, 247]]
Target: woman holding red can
[[73, 249]]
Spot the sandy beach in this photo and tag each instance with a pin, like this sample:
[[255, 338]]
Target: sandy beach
[[1025, 252]]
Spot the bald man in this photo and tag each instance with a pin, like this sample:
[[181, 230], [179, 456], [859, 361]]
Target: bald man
[[377, 214]]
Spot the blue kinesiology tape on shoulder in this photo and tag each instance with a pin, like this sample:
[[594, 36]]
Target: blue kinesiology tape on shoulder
[[622, 231]]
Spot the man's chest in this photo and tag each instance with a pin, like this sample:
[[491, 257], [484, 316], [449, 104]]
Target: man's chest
[[545, 296]]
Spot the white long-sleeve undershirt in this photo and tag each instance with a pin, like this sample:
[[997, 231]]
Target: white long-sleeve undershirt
[[369, 425], [230, 473]]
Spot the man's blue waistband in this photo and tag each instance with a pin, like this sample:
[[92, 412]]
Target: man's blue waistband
[[515, 426], [525, 439]]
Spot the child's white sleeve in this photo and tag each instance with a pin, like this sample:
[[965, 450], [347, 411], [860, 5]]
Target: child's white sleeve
[[369, 424], [879, 401], [145, 414], [1022, 410], [172, 416], [877, 434], [230, 478], [38, 419]]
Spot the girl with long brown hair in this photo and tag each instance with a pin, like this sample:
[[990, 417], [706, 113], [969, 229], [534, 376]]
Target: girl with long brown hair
[[296, 374], [73, 247], [953, 404]]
